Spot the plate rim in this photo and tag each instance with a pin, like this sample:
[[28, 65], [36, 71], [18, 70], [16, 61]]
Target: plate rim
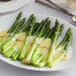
[[11, 4]]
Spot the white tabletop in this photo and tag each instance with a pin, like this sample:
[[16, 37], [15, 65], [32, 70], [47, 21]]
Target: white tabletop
[[9, 70]]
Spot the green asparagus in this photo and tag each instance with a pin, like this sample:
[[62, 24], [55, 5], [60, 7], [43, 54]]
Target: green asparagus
[[63, 48], [6, 50], [55, 35]]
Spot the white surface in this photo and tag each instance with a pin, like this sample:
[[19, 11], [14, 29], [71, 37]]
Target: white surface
[[12, 5], [8, 70], [6, 21]]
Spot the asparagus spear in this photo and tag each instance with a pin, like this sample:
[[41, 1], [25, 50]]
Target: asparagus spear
[[20, 30], [46, 42], [15, 23], [44, 59], [40, 34], [39, 52], [65, 43], [30, 40], [55, 35], [28, 22], [20, 24], [15, 29], [61, 29], [15, 52], [7, 34], [11, 28], [40, 27]]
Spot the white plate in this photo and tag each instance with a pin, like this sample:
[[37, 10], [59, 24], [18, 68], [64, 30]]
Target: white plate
[[6, 22], [12, 5]]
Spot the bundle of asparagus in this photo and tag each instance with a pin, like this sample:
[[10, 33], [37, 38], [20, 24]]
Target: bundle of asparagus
[[34, 42]]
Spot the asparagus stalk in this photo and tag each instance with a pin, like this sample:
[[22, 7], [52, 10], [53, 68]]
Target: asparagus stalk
[[15, 29], [16, 51], [39, 52], [51, 32], [35, 33], [29, 41], [16, 46], [29, 22], [21, 29], [65, 43], [7, 35], [15, 23], [55, 35], [39, 28], [40, 34], [11, 28], [43, 60], [20, 24]]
